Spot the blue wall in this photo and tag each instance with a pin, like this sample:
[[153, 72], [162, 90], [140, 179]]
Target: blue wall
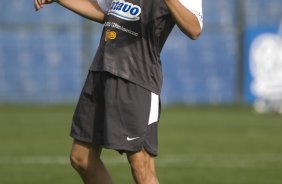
[[40, 53], [44, 56], [205, 70]]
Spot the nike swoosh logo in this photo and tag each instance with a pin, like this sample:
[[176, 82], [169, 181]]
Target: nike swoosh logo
[[131, 138]]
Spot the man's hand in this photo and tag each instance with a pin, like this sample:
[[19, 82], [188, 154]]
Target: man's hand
[[38, 4]]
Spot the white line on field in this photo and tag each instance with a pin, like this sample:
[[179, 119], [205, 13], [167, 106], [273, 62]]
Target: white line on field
[[186, 161]]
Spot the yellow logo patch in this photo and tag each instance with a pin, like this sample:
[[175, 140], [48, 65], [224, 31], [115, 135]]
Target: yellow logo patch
[[110, 35]]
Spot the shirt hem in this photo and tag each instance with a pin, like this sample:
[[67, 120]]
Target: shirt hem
[[126, 77]]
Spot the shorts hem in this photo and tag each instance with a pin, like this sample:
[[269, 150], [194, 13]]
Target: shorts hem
[[119, 149]]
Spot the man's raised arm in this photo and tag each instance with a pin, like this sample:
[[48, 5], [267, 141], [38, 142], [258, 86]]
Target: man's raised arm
[[187, 15], [89, 9]]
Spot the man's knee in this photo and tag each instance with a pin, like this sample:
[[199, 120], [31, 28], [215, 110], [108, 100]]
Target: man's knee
[[81, 154], [78, 162]]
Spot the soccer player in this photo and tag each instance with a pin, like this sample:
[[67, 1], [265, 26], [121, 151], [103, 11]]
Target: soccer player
[[119, 104]]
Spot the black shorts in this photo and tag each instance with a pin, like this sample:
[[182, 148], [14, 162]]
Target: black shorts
[[116, 114]]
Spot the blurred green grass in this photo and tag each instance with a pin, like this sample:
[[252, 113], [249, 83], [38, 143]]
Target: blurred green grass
[[197, 145]]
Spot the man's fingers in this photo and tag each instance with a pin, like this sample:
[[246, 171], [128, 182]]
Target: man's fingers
[[38, 4]]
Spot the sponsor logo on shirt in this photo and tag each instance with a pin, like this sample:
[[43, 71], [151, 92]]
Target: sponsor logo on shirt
[[125, 10], [110, 35], [119, 27]]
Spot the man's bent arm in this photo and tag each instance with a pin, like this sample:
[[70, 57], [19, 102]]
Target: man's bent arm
[[185, 19], [86, 8]]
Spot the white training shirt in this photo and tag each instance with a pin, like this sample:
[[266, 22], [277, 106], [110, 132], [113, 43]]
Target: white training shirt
[[195, 6]]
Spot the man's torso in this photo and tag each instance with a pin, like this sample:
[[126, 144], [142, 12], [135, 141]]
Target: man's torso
[[133, 36]]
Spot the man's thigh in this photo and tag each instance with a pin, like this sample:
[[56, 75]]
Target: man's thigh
[[141, 158], [84, 151]]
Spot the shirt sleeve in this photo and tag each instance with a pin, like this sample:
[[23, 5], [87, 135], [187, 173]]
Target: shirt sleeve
[[104, 5], [195, 6]]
